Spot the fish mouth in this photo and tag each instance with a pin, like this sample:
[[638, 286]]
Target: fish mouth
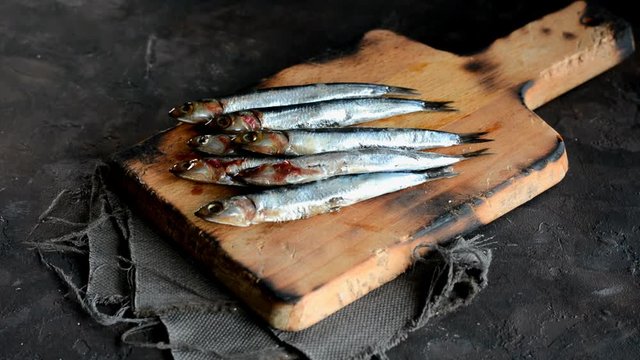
[[203, 212], [175, 113], [235, 211], [175, 169], [221, 217], [182, 167], [194, 142], [184, 112], [184, 118], [194, 170]]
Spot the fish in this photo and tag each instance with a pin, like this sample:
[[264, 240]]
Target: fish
[[306, 200], [218, 170], [332, 113], [203, 110], [310, 168], [314, 141], [218, 144]]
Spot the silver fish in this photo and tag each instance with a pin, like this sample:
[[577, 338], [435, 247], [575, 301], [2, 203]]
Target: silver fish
[[332, 113], [306, 142], [310, 168], [219, 170], [203, 110], [303, 201]]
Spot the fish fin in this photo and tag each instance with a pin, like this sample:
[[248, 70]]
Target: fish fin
[[443, 172], [335, 203], [237, 179], [480, 152], [473, 138], [398, 90], [438, 106]]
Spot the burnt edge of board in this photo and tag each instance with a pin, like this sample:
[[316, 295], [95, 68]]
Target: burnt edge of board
[[465, 211], [596, 16], [147, 151]]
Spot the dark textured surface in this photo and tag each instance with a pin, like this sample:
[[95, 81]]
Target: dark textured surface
[[82, 79]]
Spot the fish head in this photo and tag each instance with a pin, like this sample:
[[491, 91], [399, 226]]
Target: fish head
[[219, 144], [196, 170], [237, 211], [239, 122], [196, 112], [264, 142]]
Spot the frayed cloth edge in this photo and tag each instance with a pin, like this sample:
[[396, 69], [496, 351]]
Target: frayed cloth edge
[[475, 245]]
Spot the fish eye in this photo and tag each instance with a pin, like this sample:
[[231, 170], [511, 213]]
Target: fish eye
[[187, 107], [250, 137], [224, 122], [203, 140], [215, 207]]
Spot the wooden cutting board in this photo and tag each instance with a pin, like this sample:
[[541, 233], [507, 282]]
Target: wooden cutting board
[[296, 274]]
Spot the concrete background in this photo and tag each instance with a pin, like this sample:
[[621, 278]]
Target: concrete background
[[81, 79]]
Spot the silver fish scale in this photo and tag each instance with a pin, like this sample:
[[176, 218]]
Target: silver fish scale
[[370, 161], [336, 113], [303, 142], [324, 196], [301, 94]]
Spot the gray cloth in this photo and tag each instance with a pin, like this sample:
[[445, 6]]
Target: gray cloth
[[107, 280], [129, 262]]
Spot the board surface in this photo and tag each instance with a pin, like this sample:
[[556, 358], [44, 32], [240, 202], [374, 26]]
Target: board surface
[[296, 274]]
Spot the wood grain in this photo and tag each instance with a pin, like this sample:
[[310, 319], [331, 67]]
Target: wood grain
[[296, 274]]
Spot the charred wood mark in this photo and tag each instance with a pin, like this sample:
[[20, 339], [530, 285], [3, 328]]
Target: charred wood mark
[[597, 16], [620, 29], [463, 212], [488, 70], [277, 294], [593, 16], [552, 156], [568, 35], [419, 210], [146, 152], [466, 212], [590, 20], [545, 30], [479, 66], [490, 81], [521, 91]]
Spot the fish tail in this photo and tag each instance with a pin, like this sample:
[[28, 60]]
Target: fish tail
[[474, 138], [438, 106], [481, 152], [398, 90], [443, 172]]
